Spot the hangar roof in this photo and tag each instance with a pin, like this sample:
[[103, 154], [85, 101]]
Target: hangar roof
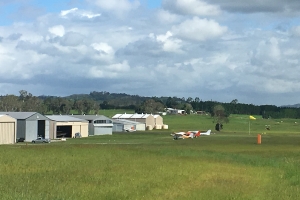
[[91, 117], [64, 118], [19, 115], [132, 116], [124, 121]]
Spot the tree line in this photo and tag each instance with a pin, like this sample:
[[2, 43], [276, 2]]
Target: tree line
[[94, 102]]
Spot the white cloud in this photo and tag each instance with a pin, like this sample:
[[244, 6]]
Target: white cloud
[[267, 52], [295, 31], [66, 12], [79, 13], [58, 30], [191, 7], [166, 17], [170, 44], [111, 71], [223, 56], [117, 6], [199, 29], [106, 52]]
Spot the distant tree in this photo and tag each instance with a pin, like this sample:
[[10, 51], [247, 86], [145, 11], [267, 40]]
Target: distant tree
[[219, 116], [188, 108], [171, 102], [151, 107], [189, 100], [234, 101], [10, 103], [79, 106], [33, 104]]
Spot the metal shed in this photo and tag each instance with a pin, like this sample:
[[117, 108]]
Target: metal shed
[[147, 119], [67, 126], [98, 124], [30, 125], [7, 129], [122, 124], [158, 120]]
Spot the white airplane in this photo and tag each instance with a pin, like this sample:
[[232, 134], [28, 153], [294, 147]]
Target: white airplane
[[132, 129], [189, 134]]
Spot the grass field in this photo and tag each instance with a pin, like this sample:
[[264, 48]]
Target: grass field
[[150, 165]]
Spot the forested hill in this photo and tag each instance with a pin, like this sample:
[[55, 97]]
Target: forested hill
[[118, 99], [95, 101]]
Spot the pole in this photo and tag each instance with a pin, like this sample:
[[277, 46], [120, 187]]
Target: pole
[[249, 127]]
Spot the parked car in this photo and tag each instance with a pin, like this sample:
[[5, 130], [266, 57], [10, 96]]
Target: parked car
[[20, 140], [41, 140]]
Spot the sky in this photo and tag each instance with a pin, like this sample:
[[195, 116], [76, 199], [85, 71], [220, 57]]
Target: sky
[[212, 49]]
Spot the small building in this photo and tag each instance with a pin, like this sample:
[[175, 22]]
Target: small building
[[173, 111], [121, 125], [98, 124], [158, 120], [7, 129], [67, 126], [30, 125], [147, 119]]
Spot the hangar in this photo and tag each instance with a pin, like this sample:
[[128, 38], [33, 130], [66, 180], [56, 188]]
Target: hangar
[[67, 126], [30, 125], [158, 120], [7, 129], [121, 125], [147, 119], [98, 124]]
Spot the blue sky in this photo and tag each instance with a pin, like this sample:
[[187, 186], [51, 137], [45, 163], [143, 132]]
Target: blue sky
[[212, 49], [9, 11]]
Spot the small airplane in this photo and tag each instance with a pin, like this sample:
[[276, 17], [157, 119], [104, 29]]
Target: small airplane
[[189, 134], [132, 129]]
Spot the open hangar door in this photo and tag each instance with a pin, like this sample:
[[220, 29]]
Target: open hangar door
[[63, 131]]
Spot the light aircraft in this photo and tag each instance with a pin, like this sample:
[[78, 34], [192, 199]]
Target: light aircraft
[[189, 134], [130, 130]]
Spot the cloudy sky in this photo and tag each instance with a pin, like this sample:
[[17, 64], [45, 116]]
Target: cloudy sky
[[212, 49]]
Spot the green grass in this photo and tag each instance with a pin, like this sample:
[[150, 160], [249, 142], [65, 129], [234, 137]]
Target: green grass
[[150, 165]]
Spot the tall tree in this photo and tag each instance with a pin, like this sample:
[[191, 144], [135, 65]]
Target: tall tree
[[219, 116], [10, 103]]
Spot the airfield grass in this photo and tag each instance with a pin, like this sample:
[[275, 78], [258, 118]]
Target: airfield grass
[[150, 165]]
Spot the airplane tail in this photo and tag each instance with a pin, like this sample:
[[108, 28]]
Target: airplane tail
[[206, 133]]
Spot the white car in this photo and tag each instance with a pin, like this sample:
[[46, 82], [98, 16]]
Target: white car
[[41, 140]]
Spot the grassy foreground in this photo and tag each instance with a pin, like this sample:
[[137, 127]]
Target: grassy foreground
[[153, 166]]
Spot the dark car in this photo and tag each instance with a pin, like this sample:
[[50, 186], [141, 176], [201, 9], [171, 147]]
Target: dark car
[[20, 140]]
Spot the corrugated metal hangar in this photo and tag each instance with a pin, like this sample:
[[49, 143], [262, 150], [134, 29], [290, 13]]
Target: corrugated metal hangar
[[67, 126], [30, 125], [121, 125], [7, 129], [142, 118], [98, 124]]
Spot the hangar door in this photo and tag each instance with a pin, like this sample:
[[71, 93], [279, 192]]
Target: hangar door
[[63, 131], [41, 128], [118, 128], [102, 130], [7, 133]]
